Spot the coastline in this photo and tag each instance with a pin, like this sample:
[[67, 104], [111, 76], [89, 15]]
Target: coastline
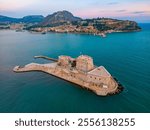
[[102, 34]]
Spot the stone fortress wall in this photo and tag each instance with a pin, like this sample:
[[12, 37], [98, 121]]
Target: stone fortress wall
[[83, 68], [80, 70]]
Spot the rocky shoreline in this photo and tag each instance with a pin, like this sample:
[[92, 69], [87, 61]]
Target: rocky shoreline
[[79, 30]]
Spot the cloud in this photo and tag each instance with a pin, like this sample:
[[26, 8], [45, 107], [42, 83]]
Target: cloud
[[112, 3], [139, 12], [123, 10]]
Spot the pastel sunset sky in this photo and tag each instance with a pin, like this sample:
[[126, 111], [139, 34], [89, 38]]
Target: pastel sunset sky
[[138, 10]]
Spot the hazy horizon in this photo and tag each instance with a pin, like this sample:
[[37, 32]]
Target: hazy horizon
[[135, 10]]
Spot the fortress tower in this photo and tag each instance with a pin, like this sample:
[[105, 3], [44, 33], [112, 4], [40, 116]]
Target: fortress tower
[[84, 63], [64, 61]]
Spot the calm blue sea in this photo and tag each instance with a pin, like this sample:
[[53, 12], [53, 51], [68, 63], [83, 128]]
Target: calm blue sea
[[125, 55]]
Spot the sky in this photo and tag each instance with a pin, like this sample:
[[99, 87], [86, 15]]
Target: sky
[[137, 10]]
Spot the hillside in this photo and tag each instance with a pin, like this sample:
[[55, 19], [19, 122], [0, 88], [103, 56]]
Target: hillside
[[59, 18], [26, 19], [105, 24], [5, 19]]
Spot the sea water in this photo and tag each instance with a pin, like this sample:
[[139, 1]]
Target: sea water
[[125, 55]]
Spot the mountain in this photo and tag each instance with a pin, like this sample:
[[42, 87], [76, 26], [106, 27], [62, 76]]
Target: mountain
[[59, 18], [26, 19], [32, 19], [8, 19]]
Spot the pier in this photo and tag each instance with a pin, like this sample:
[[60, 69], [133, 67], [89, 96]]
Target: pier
[[45, 57]]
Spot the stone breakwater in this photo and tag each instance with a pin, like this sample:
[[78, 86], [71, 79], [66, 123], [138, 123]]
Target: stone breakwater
[[107, 86]]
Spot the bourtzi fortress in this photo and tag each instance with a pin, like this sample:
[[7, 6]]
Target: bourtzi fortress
[[80, 70]]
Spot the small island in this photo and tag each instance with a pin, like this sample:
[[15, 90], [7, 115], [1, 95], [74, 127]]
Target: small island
[[80, 71]]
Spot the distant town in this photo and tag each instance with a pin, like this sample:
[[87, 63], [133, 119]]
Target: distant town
[[65, 22]]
